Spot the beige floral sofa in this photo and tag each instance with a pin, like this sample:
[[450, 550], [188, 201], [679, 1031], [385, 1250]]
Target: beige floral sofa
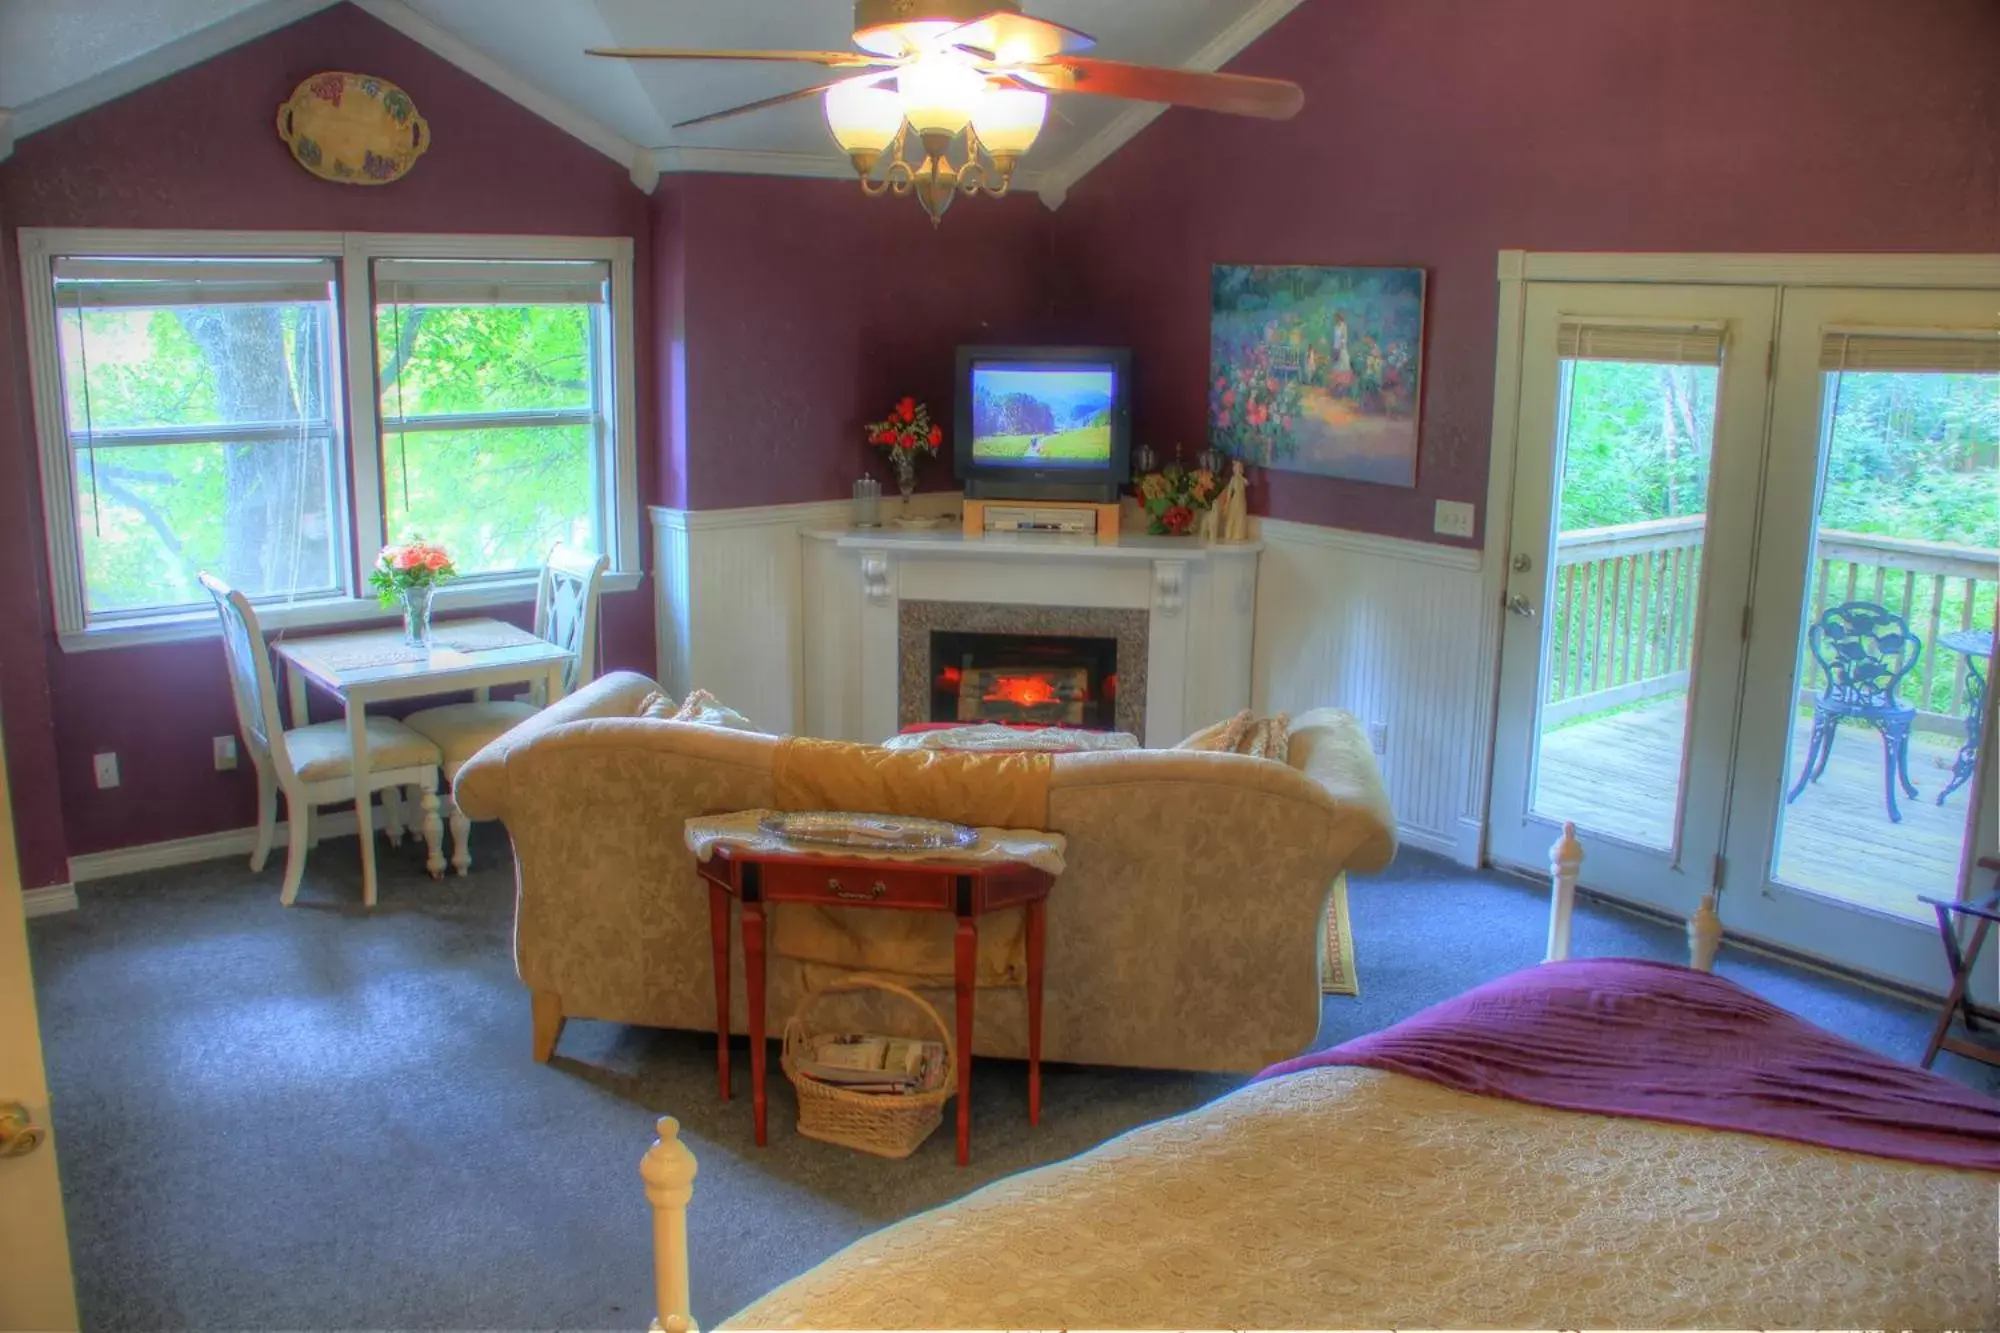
[[1184, 934]]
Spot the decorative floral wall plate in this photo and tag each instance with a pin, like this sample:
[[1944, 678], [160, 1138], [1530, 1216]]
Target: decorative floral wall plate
[[353, 128]]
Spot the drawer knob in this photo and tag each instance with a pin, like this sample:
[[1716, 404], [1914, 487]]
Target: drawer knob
[[867, 895]]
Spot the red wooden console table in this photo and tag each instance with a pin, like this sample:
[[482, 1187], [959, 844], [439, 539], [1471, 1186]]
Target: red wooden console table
[[757, 878]]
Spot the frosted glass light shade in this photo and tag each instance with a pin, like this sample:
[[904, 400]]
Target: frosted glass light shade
[[1009, 120], [864, 118], [940, 94]]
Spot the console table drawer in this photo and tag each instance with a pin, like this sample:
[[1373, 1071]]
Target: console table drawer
[[850, 887]]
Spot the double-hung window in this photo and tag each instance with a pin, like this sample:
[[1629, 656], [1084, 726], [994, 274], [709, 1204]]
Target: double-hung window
[[272, 408], [495, 406], [199, 410]]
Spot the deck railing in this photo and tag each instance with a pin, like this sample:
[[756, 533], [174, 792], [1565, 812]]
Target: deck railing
[[1622, 628]]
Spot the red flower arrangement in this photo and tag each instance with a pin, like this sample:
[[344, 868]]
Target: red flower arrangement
[[906, 433]]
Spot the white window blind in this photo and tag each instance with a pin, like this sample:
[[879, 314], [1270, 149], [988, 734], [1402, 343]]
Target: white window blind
[[490, 282], [198, 410], [106, 284], [1679, 344], [1940, 351]]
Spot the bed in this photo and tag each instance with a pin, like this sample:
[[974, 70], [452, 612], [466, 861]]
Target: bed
[[1605, 1143]]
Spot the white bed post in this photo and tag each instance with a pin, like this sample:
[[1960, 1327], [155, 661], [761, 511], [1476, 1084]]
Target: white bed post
[[1565, 863], [668, 1169], [1704, 935]]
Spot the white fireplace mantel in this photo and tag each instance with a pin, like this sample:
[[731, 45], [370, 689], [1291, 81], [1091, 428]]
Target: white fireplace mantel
[[1200, 601]]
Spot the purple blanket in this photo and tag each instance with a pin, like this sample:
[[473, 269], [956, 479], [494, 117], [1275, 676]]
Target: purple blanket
[[1618, 1036]]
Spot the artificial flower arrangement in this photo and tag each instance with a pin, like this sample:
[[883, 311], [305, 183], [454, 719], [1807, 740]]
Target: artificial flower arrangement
[[1174, 498], [907, 432], [407, 574]]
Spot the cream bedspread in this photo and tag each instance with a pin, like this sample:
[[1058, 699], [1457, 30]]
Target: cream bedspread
[[1349, 1197]]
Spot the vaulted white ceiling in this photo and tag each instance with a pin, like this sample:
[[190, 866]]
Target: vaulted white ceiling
[[59, 57]]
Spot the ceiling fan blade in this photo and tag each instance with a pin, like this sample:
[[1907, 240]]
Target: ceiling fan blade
[[779, 100], [831, 59], [1017, 39], [1232, 94]]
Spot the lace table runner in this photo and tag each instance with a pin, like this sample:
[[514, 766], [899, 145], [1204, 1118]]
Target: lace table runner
[[379, 648], [481, 636]]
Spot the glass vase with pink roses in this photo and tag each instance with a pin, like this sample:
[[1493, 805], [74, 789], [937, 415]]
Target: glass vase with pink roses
[[408, 574]]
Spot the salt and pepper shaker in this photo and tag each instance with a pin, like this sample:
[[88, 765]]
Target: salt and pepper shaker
[[867, 503]]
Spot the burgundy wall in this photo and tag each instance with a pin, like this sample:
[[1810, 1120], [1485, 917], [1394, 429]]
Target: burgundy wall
[[198, 150], [776, 316], [1437, 132], [26, 710], [810, 308]]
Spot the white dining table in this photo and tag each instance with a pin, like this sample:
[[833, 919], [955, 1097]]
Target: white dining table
[[372, 666]]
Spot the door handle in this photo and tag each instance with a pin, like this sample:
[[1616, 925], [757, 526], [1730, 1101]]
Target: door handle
[[1521, 606], [19, 1134]]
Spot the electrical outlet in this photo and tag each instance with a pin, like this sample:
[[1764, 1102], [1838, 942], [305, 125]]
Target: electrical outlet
[[1378, 737], [225, 753], [1454, 519], [107, 770]]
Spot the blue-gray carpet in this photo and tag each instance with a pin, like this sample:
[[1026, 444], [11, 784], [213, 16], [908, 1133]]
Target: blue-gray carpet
[[319, 1118]]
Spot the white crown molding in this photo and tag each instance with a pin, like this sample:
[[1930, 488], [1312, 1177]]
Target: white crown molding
[[1057, 180], [440, 42], [1278, 530], [811, 513], [161, 62], [830, 165]]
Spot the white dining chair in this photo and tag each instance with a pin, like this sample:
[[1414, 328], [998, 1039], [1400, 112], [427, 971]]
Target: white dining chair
[[313, 765], [565, 615]]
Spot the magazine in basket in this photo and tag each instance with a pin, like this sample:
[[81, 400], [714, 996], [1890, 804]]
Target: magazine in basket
[[861, 1063]]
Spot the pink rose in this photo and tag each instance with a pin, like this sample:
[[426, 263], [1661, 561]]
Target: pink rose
[[404, 558], [435, 559]]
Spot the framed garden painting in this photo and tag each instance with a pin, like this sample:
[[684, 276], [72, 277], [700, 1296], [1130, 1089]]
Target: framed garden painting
[[1317, 370]]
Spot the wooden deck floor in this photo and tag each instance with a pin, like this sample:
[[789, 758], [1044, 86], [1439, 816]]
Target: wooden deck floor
[[1617, 774]]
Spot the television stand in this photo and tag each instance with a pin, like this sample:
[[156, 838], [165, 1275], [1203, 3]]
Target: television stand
[[1102, 517]]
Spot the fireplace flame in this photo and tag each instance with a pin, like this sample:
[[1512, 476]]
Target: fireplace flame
[[1027, 691]]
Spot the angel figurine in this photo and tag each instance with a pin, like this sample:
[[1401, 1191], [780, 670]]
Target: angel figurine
[[1234, 504]]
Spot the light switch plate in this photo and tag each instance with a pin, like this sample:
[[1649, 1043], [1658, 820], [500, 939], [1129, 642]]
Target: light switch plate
[[225, 753], [1454, 518], [107, 770]]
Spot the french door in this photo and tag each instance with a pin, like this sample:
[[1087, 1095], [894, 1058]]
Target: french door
[[1755, 546]]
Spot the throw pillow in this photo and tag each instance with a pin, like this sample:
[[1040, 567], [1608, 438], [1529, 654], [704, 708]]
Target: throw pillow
[[1260, 738], [700, 707]]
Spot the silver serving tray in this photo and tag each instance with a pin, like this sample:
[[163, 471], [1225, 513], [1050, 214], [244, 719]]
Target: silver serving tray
[[888, 833]]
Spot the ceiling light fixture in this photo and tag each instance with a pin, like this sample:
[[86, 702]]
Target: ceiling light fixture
[[941, 132], [944, 97]]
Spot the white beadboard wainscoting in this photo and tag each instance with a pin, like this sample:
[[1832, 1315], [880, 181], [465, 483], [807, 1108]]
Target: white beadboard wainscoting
[[1402, 634]]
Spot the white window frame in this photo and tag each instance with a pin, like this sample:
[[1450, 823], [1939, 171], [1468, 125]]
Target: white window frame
[[355, 362]]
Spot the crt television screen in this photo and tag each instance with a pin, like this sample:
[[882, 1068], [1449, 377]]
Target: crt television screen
[[1043, 415]]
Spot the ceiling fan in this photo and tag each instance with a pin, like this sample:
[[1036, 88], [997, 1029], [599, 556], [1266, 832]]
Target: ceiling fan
[[943, 97]]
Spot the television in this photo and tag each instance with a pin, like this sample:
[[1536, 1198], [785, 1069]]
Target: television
[[1044, 423]]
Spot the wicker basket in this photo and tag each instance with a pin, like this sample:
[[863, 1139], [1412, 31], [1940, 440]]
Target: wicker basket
[[883, 1124]]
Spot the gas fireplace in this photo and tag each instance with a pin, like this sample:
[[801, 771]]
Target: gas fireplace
[[1071, 666], [1044, 679]]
